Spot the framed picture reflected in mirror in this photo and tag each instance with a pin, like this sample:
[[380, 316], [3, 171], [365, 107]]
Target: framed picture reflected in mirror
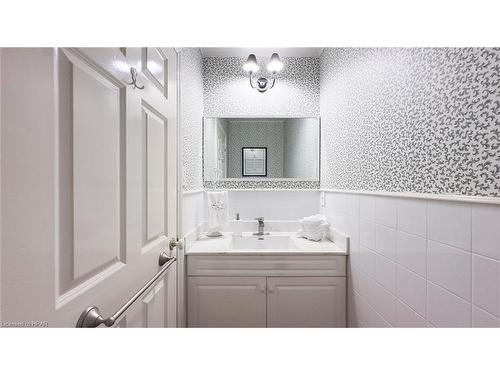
[[254, 161]]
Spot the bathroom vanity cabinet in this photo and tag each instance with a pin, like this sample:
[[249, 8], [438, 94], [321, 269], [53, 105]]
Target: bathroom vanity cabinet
[[266, 290]]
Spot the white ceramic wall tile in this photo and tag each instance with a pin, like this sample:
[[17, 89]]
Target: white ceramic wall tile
[[412, 216], [386, 241], [367, 234], [338, 223], [486, 284], [385, 273], [407, 318], [368, 317], [353, 205], [367, 289], [270, 225], [482, 319], [444, 309], [435, 275], [450, 268], [337, 203], [412, 252], [386, 211], [193, 211], [355, 257], [360, 282], [411, 289], [385, 304], [353, 272], [273, 205], [353, 233], [367, 207], [486, 230], [450, 223], [352, 313], [368, 260]]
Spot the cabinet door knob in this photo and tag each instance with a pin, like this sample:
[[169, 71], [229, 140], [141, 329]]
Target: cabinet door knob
[[262, 289], [271, 289]]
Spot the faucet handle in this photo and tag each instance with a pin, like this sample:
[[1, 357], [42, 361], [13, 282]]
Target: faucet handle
[[260, 219]]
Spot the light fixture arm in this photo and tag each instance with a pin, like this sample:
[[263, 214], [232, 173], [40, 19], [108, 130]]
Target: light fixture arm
[[274, 80], [251, 83], [262, 83]]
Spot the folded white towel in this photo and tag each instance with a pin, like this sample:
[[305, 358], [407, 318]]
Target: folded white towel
[[313, 227], [218, 215], [314, 218]]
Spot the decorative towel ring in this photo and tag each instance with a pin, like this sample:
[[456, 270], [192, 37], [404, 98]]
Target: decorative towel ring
[[133, 73]]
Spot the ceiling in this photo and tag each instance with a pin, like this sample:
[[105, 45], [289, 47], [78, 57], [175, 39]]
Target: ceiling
[[244, 52]]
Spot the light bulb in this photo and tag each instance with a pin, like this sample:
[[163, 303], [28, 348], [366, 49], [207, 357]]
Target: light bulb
[[251, 64], [275, 65]]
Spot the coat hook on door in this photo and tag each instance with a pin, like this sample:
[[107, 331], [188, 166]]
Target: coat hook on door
[[133, 73]]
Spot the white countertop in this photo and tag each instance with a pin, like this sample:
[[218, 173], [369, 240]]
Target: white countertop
[[222, 245]]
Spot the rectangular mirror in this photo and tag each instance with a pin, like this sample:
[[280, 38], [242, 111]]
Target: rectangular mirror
[[261, 148]]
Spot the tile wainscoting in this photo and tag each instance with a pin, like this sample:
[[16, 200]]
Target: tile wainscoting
[[416, 261], [419, 262]]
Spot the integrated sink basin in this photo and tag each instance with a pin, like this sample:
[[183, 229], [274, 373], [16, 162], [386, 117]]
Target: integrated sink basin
[[266, 242], [275, 243]]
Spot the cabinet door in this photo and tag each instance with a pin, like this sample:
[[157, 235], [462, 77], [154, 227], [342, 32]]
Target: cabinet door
[[306, 302], [226, 301]]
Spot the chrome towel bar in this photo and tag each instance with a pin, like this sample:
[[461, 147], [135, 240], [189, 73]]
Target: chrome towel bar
[[91, 318]]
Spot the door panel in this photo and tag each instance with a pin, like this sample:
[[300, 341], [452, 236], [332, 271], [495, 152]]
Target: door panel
[[306, 302], [155, 66], [92, 184], [155, 167], [94, 181], [226, 301], [155, 308], [83, 209]]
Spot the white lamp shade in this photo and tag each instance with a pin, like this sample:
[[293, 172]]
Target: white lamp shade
[[275, 65], [251, 64]]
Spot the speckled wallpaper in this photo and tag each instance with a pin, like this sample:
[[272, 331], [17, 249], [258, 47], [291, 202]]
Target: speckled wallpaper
[[423, 120], [227, 90], [191, 117]]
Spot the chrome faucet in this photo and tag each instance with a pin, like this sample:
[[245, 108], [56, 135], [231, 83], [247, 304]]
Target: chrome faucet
[[261, 227]]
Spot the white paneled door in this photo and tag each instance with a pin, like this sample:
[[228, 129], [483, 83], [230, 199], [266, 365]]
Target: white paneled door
[[88, 184]]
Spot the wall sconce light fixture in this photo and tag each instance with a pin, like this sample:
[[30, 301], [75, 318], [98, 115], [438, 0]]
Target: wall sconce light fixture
[[274, 67]]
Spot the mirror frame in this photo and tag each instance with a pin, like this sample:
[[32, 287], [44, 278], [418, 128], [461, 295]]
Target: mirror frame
[[243, 179]]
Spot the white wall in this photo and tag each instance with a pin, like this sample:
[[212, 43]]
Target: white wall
[[419, 262]]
